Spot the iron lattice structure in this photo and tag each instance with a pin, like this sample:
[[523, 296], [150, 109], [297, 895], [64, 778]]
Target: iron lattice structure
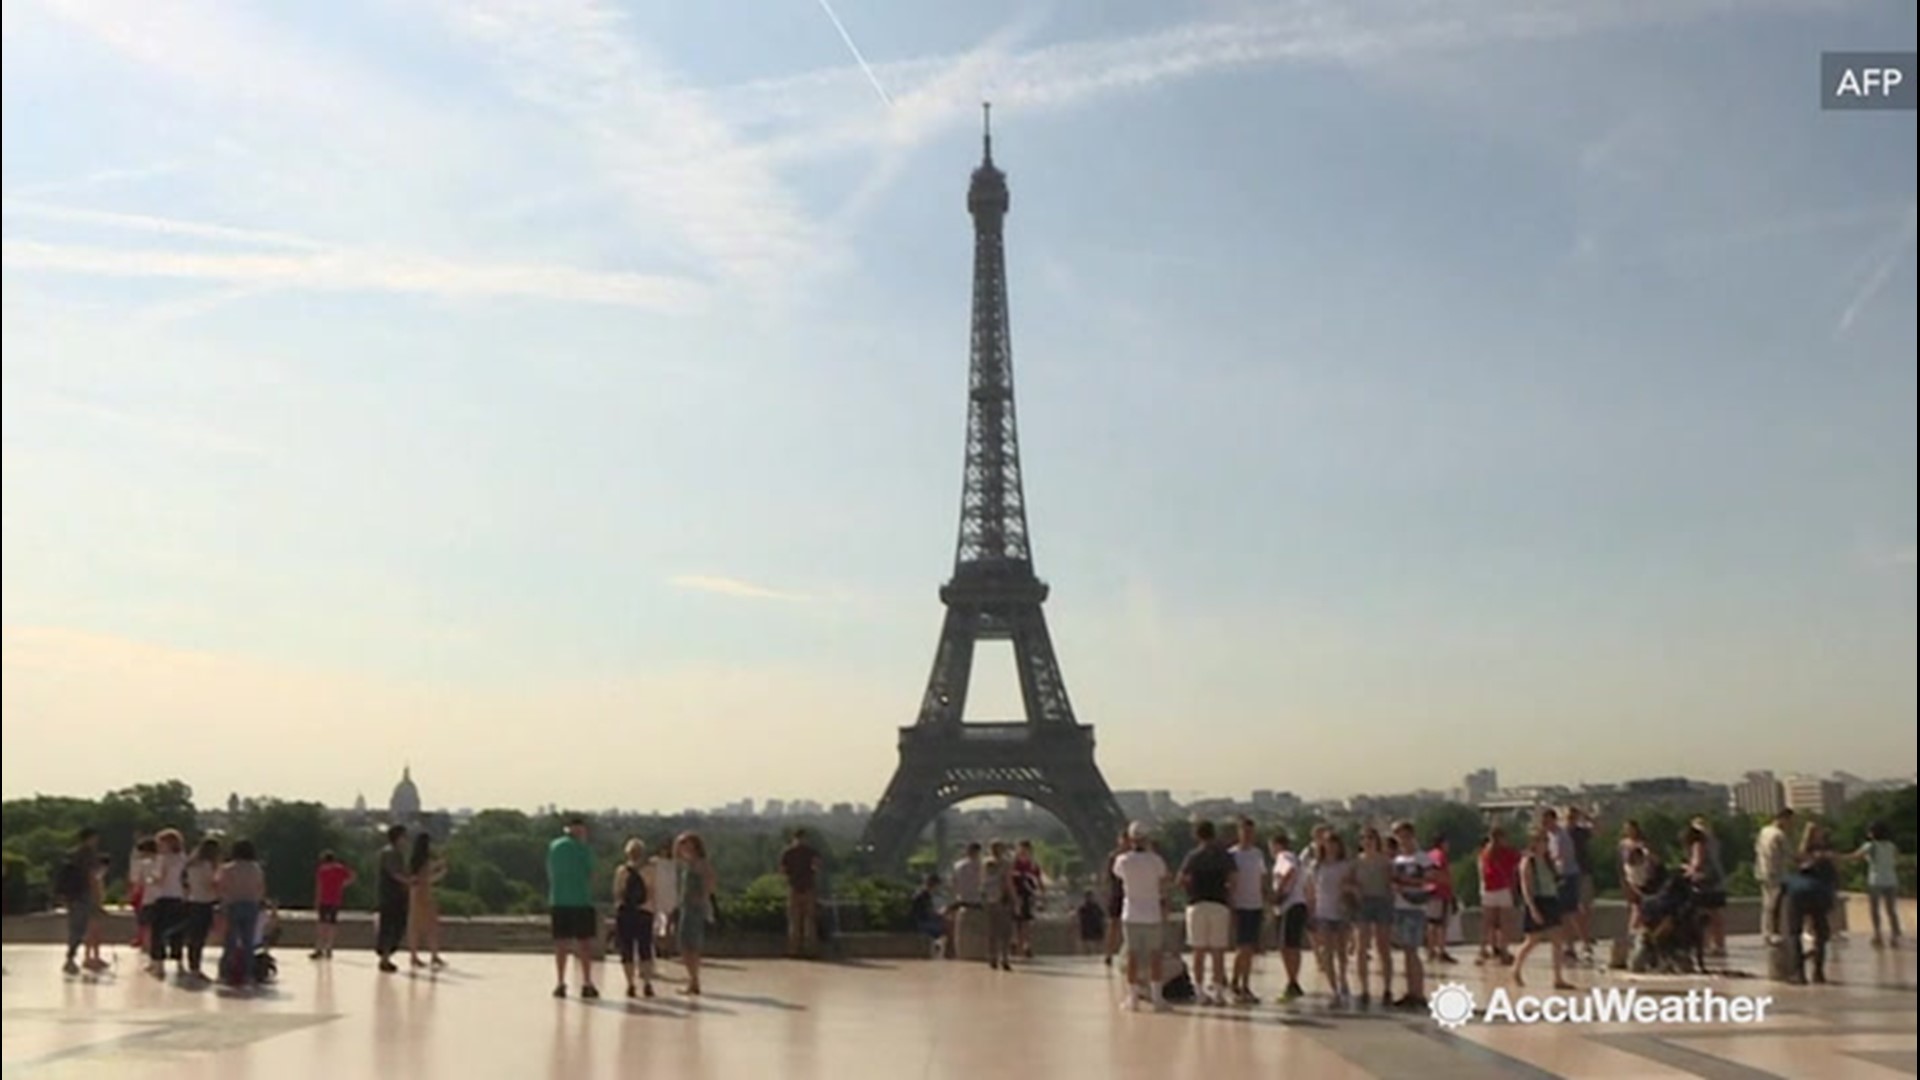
[[994, 594]]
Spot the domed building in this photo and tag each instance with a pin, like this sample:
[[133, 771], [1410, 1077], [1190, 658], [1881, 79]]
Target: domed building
[[404, 807]]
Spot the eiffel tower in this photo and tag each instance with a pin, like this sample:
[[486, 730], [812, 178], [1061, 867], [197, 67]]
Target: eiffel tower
[[1047, 758]]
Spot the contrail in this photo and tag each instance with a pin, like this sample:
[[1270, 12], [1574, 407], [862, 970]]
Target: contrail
[[855, 50]]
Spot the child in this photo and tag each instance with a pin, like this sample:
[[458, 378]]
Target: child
[[1093, 924], [138, 870], [924, 913]]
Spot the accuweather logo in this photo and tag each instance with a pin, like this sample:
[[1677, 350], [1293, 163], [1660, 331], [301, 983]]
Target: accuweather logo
[[1453, 1005]]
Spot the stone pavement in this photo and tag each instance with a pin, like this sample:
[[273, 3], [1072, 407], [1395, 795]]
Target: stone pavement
[[490, 1015]]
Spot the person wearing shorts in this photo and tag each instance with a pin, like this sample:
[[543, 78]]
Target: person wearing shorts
[[1289, 909], [1499, 863], [330, 881], [1540, 907], [1413, 874], [1207, 875], [1249, 908], [1143, 916], [570, 900]]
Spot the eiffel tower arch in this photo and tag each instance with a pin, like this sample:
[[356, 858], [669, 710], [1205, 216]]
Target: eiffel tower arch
[[994, 595]]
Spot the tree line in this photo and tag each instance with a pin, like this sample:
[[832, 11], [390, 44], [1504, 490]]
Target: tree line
[[497, 860]]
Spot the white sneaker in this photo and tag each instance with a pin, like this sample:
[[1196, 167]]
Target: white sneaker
[[1130, 1001]]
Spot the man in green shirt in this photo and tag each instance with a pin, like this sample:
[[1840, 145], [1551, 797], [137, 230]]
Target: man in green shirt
[[570, 898]]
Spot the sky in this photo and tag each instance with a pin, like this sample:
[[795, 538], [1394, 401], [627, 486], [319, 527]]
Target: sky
[[567, 398]]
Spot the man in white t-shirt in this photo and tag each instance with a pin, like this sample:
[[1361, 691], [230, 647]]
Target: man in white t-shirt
[[1143, 914], [1772, 861], [1413, 874], [1249, 908], [1290, 908]]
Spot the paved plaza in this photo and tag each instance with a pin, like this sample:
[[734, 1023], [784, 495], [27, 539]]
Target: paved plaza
[[490, 1015]]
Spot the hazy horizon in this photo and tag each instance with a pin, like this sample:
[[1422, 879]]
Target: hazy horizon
[[569, 400]]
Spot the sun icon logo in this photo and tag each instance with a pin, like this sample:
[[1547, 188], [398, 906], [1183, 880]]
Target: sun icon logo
[[1451, 1005]]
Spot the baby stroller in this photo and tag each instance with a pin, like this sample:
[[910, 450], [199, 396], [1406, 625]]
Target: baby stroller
[[1673, 934]]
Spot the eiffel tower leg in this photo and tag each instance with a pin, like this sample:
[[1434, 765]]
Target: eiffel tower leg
[[946, 698], [904, 811], [1041, 687]]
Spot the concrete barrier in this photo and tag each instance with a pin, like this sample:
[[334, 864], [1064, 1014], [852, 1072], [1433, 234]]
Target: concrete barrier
[[1053, 935]]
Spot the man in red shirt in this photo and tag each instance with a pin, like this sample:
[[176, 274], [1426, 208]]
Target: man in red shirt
[[330, 883], [1442, 904]]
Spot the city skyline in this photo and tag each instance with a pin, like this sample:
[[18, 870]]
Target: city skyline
[[480, 387]]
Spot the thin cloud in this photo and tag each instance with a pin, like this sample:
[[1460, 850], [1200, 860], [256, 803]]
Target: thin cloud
[[671, 158], [343, 270], [68, 215], [726, 586]]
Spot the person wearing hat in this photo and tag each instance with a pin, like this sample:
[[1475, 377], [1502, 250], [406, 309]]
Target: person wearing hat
[[1143, 916]]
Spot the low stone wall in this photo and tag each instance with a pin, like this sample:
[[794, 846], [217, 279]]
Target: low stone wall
[[1052, 936]]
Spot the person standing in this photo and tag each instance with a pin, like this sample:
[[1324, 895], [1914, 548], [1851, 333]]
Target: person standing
[[1143, 916], [633, 918], [1413, 881], [1499, 865], [1289, 909], [1116, 897], [242, 886], [424, 871], [1249, 908], [73, 886], [1207, 876], [698, 883], [1883, 882], [396, 889], [1092, 918], [969, 887], [1028, 884], [330, 881], [1580, 918], [800, 865], [1772, 862], [999, 901], [166, 894], [1373, 886], [203, 897], [570, 906]]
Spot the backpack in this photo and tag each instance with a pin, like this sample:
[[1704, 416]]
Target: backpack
[[71, 881]]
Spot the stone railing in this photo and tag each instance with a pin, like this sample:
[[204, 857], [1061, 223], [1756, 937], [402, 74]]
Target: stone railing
[[1053, 934]]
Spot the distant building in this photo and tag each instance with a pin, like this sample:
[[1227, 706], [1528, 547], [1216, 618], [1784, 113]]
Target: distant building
[[1759, 793], [1136, 805], [403, 808], [1812, 795], [1480, 784]]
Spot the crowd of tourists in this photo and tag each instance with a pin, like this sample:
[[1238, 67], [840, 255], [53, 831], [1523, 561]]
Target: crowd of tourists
[[1355, 912]]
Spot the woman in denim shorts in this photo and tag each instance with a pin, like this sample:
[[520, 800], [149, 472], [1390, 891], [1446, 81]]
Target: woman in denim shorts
[[1373, 915]]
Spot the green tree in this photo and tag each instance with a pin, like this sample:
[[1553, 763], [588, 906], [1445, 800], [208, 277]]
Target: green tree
[[290, 837]]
